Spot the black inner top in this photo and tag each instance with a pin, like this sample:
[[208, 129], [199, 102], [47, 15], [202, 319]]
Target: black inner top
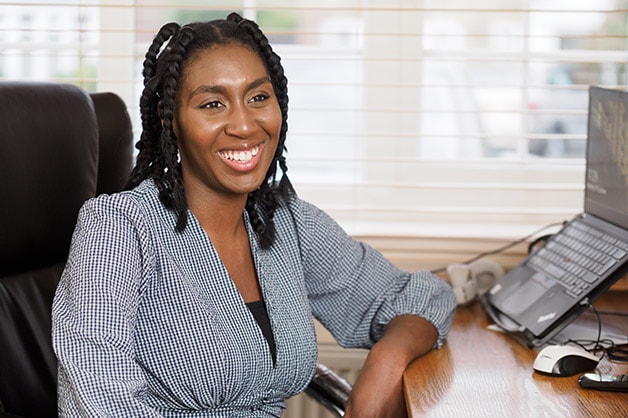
[[258, 309]]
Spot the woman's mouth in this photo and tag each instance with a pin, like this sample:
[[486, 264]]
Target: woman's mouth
[[242, 160], [243, 155]]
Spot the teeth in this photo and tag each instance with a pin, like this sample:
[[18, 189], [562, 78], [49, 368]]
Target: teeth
[[241, 155]]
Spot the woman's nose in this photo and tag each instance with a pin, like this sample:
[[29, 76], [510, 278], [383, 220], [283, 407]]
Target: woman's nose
[[241, 122]]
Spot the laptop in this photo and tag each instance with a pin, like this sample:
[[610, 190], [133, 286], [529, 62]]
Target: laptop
[[554, 284]]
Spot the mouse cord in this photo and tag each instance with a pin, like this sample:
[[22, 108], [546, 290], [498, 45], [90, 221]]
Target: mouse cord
[[598, 346], [616, 352], [613, 352], [609, 349], [593, 346]]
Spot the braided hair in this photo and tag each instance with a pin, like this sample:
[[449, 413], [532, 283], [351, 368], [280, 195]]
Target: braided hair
[[158, 150]]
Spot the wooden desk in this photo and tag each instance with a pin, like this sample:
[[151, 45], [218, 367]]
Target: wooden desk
[[483, 373]]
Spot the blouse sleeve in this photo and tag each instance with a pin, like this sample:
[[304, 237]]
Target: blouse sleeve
[[354, 291], [94, 313]]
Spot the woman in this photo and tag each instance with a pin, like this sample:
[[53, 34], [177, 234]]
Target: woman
[[192, 293]]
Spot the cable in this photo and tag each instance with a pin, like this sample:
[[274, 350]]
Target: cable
[[612, 351], [507, 246], [599, 329], [618, 353]]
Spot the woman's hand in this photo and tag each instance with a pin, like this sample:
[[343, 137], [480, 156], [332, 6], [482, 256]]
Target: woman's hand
[[378, 391]]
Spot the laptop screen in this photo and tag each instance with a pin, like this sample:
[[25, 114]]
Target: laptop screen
[[606, 191]]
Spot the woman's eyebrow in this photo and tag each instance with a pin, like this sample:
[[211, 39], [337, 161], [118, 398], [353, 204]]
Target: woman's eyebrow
[[221, 89], [259, 82], [207, 89]]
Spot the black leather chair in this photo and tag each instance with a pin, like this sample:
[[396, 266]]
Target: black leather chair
[[329, 389], [58, 147]]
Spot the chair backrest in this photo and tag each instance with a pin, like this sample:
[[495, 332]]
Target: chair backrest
[[115, 144], [59, 146]]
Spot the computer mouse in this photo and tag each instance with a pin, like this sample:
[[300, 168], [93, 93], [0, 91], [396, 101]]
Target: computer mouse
[[564, 360]]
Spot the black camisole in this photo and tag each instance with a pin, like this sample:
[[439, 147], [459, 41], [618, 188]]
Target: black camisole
[[258, 309]]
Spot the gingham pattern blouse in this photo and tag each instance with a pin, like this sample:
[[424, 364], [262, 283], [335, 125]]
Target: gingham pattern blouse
[[147, 322]]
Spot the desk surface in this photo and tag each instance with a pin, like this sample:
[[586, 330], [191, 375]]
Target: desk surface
[[483, 373]]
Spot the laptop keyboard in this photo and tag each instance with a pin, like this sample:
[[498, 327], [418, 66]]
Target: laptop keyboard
[[578, 256]]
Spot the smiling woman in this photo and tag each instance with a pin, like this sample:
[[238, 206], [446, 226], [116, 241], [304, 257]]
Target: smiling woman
[[195, 290]]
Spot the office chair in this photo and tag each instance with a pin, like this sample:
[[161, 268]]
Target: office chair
[[57, 150], [329, 389], [59, 147]]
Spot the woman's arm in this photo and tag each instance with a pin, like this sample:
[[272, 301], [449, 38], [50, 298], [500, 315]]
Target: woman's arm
[[378, 390], [355, 292], [365, 301], [93, 316]]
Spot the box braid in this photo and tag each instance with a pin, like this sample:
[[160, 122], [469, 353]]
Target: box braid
[[158, 150]]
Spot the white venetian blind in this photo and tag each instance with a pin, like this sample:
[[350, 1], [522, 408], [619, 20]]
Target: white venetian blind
[[437, 117]]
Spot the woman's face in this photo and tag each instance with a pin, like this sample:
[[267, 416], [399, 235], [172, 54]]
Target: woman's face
[[227, 122]]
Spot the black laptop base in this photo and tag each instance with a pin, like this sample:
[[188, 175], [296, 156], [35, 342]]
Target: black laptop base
[[527, 338]]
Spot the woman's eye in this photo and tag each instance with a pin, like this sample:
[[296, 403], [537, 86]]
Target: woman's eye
[[212, 105], [260, 97]]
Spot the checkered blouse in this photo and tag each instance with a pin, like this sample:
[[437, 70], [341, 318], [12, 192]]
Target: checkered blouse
[[147, 323]]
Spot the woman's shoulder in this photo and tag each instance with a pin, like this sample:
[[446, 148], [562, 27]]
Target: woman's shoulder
[[134, 204], [308, 220], [304, 211], [295, 205], [142, 195]]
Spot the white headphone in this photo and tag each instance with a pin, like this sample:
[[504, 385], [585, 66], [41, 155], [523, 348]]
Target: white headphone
[[470, 281]]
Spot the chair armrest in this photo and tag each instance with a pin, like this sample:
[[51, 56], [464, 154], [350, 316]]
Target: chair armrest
[[329, 389]]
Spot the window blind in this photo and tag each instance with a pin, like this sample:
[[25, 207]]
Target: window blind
[[407, 118]]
